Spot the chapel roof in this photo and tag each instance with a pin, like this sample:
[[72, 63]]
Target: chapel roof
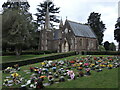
[[81, 29]]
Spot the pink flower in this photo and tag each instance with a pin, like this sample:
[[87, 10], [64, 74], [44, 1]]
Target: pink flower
[[86, 64]]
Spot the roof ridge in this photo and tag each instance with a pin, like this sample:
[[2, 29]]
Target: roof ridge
[[74, 22]]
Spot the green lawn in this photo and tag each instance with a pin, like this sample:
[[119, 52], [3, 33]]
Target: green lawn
[[22, 57], [14, 58], [19, 58], [105, 79]]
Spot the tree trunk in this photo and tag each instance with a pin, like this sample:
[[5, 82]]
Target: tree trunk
[[18, 50], [39, 45]]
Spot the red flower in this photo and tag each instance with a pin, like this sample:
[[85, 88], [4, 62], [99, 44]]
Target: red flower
[[81, 60], [95, 58], [83, 57], [72, 61], [31, 67], [110, 59]]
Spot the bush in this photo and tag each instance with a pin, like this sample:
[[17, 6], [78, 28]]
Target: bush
[[101, 53], [8, 53], [29, 52], [36, 60]]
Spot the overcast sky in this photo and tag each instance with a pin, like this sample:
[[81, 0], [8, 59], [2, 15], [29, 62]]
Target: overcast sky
[[79, 11]]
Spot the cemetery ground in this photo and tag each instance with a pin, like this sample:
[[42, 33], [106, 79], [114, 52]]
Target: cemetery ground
[[14, 58], [107, 78]]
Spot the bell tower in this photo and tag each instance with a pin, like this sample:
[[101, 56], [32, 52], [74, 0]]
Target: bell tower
[[47, 32]]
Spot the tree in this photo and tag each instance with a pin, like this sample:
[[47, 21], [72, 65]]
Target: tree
[[117, 33], [17, 25], [112, 47], [101, 48], [16, 5], [97, 26], [42, 11], [106, 45]]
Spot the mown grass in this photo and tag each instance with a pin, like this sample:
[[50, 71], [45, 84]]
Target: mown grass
[[19, 58], [15, 58], [23, 57], [105, 79]]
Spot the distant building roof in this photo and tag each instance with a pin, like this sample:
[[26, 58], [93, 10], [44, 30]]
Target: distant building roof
[[81, 30]]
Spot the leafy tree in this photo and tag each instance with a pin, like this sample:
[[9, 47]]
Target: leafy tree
[[97, 25], [106, 45], [17, 25], [42, 10], [117, 32], [101, 48], [112, 47], [16, 5]]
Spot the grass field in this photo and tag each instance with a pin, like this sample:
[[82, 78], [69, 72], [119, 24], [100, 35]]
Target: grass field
[[105, 79], [22, 57], [19, 58], [15, 58]]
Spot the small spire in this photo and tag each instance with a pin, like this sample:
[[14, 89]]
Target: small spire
[[61, 23]]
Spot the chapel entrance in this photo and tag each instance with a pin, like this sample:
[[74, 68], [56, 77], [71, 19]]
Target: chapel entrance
[[65, 47]]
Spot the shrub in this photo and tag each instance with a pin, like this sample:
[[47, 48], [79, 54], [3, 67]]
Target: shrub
[[29, 52], [36, 60], [101, 53]]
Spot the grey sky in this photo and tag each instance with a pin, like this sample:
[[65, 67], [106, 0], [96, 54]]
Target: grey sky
[[79, 10]]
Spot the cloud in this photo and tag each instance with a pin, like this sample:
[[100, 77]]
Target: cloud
[[79, 10]]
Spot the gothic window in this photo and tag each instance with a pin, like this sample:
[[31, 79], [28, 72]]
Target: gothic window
[[80, 42], [86, 42], [54, 34], [92, 44], [72, 43], [75, 41]]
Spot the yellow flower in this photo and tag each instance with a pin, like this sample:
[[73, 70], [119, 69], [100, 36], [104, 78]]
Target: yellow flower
[[15, 74], [92, 65], [43, 63], [74, 65], [110, 65], [101, 65], [104, 65], [78, 64]]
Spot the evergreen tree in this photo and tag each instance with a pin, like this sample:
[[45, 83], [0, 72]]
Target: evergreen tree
[[42, 10], [112, 47], [97, 25], [117, 32], [17, 25], [106, 45]]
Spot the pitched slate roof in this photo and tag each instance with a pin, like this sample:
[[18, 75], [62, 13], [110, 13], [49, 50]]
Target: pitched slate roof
[[81, 29]]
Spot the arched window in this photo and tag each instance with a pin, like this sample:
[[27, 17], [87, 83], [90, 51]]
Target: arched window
[[81, 42]]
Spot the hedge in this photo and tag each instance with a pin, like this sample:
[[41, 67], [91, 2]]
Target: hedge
[[28, 52], [36, 60], [100, 52]]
